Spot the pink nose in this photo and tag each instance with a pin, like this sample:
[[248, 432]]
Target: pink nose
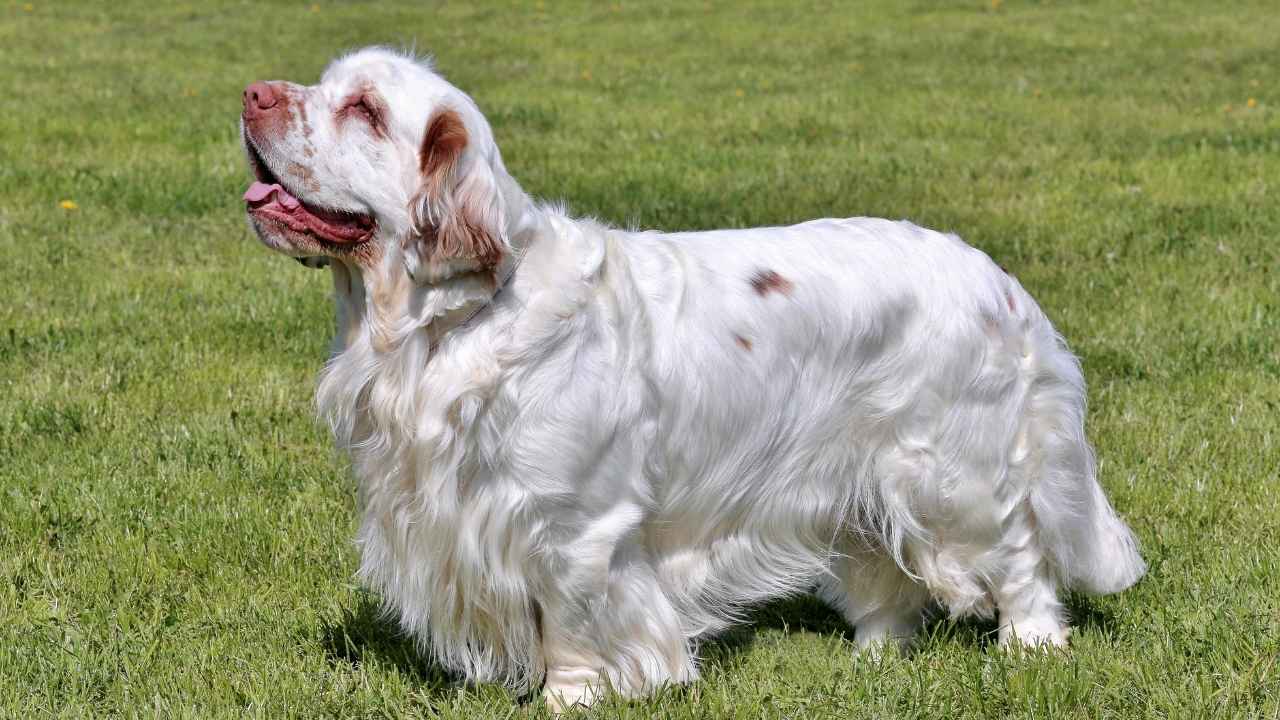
[[259, 98]]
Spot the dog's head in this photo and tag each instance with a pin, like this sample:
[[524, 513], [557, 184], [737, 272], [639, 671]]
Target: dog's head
[[383, 162]]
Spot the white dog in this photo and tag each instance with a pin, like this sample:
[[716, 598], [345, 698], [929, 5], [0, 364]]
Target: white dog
[[580, 448]]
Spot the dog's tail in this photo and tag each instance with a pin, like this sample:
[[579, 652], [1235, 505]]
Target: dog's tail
[[1093, 549]]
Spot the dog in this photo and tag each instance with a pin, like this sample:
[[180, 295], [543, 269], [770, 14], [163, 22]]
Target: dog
[[580, 449]]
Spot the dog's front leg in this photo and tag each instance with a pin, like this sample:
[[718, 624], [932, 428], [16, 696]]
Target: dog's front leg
[[607, 625], [576, 673]]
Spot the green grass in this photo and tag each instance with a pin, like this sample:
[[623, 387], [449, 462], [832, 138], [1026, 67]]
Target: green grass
[[175, 528]]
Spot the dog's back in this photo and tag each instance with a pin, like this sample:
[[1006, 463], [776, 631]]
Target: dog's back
[[854, 377]]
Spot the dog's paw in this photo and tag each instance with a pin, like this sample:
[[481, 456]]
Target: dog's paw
[[1035, 633], [566, 688], [883, 633]]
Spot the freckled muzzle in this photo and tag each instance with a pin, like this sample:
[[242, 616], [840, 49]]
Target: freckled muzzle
[[274, 206]]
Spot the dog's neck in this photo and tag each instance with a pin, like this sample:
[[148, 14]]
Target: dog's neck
[[382, 305]]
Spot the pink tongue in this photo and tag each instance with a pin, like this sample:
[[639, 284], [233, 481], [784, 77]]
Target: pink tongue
[[260, 191]]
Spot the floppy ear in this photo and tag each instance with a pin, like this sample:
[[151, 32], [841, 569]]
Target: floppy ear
[[457, 213]]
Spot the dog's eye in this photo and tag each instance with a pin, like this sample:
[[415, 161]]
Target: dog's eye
[[361, 106], [365, 108]]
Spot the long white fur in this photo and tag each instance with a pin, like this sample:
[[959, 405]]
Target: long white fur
[[645, 433]]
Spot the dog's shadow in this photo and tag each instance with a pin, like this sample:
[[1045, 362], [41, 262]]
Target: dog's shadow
[[364, 634], [806, 613]]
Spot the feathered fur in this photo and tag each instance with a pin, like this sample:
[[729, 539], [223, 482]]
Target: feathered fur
[[641, 434]]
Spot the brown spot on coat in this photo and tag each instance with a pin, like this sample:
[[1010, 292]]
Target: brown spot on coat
[[304, 176], [767, 281], [743, 343], [300, 171], [1008, 297], [302, 117]]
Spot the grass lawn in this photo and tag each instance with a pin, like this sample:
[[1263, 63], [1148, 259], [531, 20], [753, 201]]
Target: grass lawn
[[175, 529]]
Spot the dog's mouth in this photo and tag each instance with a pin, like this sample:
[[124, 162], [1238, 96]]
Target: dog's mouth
[[268, 198]]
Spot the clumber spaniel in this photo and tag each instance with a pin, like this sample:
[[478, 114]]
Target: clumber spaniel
[[580, 448]]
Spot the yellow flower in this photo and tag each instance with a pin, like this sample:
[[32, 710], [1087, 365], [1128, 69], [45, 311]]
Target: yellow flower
[[1253, 103], [1226, 108], [28, 7], [995, 4], [740, 92], [315, 7], [586, 74], [68, 205]]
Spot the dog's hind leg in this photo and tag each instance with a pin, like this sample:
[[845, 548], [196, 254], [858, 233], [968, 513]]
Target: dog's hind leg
[[1026, 593], [1061, 530], [885, 605]]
